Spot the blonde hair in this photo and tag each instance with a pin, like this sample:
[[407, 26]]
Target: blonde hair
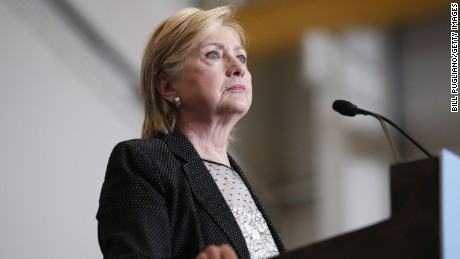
[[170, 44]]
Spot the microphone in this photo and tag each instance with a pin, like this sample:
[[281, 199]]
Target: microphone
[[348, 109]]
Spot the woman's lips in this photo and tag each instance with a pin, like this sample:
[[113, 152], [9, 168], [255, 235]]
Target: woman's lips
[[237, 88]]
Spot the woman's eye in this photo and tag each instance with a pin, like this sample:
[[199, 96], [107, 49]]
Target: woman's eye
[[213, 55], [242, 58]]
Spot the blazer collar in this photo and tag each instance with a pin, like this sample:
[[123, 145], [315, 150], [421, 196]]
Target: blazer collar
[[179, 144], [210, 198]]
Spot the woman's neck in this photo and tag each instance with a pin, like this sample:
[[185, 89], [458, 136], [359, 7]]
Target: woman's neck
[[210, 142]]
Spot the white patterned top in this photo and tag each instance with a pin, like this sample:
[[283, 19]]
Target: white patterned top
[[251, 222]]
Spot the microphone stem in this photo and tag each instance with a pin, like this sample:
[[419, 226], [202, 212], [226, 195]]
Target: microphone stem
[[380, 118], [394, 151]]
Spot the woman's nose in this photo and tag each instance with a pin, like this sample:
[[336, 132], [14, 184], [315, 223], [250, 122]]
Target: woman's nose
[[236, 67]]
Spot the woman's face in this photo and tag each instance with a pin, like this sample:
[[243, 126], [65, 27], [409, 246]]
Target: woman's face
[[214, 80]]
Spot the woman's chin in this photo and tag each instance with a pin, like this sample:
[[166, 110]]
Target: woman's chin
[[238, 109]]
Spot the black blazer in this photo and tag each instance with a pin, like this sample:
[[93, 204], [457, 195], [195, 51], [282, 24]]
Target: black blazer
[[159, 200]]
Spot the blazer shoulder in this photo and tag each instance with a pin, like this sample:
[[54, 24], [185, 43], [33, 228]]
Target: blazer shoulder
[[149, 147], [151, 151], [143, 143], [150, 158]]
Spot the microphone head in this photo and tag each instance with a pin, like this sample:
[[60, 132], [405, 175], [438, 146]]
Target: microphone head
[[345, 108]]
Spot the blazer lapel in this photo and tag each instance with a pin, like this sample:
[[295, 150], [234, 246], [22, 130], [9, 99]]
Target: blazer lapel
[[206, 191]]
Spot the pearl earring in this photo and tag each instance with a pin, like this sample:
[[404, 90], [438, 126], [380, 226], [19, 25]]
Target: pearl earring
[[178, 102]]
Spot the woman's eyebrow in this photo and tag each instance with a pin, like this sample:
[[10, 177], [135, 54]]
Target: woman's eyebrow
[[222, 46], [240, 48], [217, 44]]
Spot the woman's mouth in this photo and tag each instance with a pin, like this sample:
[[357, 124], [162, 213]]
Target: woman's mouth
[[238, 87]]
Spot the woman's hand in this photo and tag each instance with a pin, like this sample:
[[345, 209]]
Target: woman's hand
[[217, 252]]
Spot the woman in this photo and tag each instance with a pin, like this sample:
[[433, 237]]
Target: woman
[[176, 192]]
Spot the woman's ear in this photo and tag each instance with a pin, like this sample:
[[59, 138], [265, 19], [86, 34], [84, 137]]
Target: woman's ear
[[164, 87]]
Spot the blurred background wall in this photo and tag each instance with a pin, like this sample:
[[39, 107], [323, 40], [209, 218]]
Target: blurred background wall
[[69, 92]]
